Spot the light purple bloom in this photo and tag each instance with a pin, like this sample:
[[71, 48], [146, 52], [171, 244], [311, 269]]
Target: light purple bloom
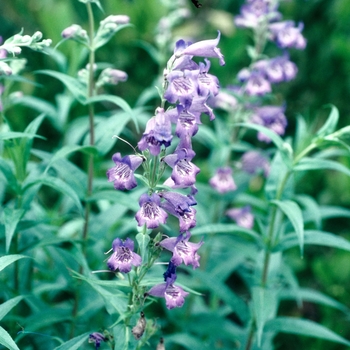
[[272, 117], [223, 181], [183, 250], [184, 171], [157, 133], [75, 31], [287, 35], [257, 84], [255, 12], [122, 174], [180, 202], [186, 121], [174, 295], [123, 257], [253, 161], [242, 216], [208, 84], [280, 69], [186, 221], [223, 100], [182, 86], [150, 212], [96, 338], [204, 48]]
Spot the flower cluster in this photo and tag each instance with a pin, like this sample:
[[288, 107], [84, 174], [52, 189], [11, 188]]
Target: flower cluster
[[187, 87], [254, 83]]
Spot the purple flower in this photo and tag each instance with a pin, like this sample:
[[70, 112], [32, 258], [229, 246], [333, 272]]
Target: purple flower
[[157, 133], [255, 12], [242, 216], [204, 48], [223, 181], [223, 100], [174, 295], [183, 251], [150, 212], [257, 84], [184, 171], [75, 31], [96, 338], [287, 35], [280, 69], [208, 83], [253, 161], [182, 86], [272, 117], [122, 174], [123, 257], [180, 202]]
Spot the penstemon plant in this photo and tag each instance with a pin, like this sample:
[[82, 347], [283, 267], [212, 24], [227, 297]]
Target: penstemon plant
[[198, 243]]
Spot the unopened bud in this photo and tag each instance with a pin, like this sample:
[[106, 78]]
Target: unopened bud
[[74, 31], [37, 36], [5, 69], [116, 19], [160, 345], [140, 327]]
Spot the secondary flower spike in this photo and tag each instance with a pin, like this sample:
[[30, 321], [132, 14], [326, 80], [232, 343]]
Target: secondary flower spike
[[123, 257], [122, 174], [205, 48]]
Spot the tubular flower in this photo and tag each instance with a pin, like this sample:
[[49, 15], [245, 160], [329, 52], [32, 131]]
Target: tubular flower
[[180, 203], [272, 117], [183, 251], [150, 212], [184, 171], [157, 133], [242, 216], [174, 295], [96, 338], [204, 48], [123, 257], [223, 181], [122, 174]]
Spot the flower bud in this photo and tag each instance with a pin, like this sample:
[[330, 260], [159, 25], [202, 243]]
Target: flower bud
[[37, 36], [74, 31], [5, 69], [140, 327]]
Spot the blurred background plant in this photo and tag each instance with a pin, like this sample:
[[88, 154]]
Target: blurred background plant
[[46, 224]]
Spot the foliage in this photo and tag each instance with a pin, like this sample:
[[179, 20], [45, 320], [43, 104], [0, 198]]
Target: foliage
[[203, 177]]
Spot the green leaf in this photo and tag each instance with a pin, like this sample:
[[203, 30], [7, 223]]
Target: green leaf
[[8, 305], [328, 212], [228, 229], [330, 124], [75, 343], [117, 101], [264, 307], [9, 175], [67, 150], [15, 135], [106, 129], [121, 336], [295, 216], [9, 259], [316, 164], [11, 219], [312, 211], [7, 341], [314, 237], [284, 147], [72, 84], [313, 296], [117, 197], [58, 185], [303, 327], [143, 240]]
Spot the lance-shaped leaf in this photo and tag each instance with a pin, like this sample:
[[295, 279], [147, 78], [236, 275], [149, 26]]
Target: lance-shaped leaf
[[9, 259], [8, 305], [264, 307], [11, 219], [317, 163], [330, 124], [7, 341], [75, 343], [303, 327], [295, 216]]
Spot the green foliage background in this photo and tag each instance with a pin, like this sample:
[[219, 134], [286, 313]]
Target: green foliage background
[[323, 78]]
